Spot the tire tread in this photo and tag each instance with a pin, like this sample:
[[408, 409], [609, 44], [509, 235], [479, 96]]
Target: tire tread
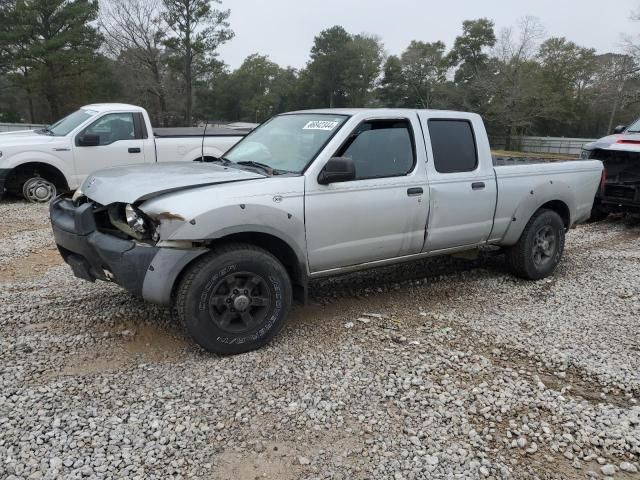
[[193, 270], [517, 255]]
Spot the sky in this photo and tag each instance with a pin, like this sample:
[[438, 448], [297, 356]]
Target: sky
[[284, 29]]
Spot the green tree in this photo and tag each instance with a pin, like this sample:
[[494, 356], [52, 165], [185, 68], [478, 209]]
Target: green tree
[[512, 81], [364, 54], [393, 91], [198, 29], [616, 91], [255, 91], [328, 66], [418, 78], [567, 73], [6, 43], [51, 45], [343, 68], [471, 59], [469, 52], [284, 88], [424, 68], [254, 97]]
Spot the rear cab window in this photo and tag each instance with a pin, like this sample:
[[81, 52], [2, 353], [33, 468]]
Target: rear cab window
[[454, 145]]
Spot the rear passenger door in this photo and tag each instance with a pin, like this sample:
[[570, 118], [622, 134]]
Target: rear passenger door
[[379, 215], [462, 188]]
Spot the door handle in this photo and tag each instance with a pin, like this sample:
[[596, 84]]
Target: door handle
[[477, 185], [134, 150], [415, 191]]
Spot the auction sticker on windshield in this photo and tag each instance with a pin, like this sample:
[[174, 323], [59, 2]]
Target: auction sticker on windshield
[[320, 125]]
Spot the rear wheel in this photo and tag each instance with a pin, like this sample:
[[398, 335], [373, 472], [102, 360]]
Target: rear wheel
[[540, 247], [38, 190], [234, 299]]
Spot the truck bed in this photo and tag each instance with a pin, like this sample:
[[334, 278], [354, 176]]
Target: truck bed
[[181, 132], [573, 182], [499, 160]]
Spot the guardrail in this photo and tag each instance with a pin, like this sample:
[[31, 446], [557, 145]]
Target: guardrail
[[558, 145], [11, 127]]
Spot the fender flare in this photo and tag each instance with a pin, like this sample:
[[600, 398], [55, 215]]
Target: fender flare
[[541, 194], [255, 228]]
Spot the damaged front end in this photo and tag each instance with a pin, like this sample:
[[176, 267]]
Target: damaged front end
[[117, 243], [97, 249], [620, 188]]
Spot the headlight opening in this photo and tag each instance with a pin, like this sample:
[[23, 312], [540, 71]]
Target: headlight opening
[[135, 220], [131, 221]]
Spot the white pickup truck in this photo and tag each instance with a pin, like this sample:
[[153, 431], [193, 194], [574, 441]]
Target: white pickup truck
[[39, 163], [310, 194]]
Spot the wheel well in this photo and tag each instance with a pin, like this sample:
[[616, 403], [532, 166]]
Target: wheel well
[[275, 246], [23, 172], [272, 244], [561, 209]]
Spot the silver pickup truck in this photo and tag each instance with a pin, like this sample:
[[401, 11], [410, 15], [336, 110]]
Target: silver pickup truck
[[310, 194]]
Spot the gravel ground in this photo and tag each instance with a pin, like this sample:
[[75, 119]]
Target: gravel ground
[[448, 368]]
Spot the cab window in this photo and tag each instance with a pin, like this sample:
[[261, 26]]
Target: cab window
[[112, 128], [380, 148], [454, 146]]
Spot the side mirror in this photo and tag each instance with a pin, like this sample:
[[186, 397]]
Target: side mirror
[[88, 140], [619, 129], [337, 169]]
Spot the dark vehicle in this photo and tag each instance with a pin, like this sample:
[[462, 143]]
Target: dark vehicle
[[620, 187]]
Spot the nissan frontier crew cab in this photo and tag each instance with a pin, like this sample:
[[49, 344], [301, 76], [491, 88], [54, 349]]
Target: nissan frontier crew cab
[[39, 163], [310, 194]]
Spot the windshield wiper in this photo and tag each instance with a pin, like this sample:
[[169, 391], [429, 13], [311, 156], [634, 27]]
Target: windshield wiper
[[45, 130], [262, 166], [222, 160]]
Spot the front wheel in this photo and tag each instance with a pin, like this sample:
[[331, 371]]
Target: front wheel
[[234, 299], [39, 190], [540, 247]]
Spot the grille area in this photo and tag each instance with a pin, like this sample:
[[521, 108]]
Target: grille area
[[620, 192]]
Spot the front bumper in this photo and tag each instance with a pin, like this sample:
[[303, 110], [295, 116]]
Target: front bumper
[[93, 255]]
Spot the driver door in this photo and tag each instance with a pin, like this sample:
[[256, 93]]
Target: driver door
[[120, 143], [379, 215]]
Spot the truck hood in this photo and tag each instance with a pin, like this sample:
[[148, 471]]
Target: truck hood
[[629, 142], [135, 183], [18, 133], [27, 138]]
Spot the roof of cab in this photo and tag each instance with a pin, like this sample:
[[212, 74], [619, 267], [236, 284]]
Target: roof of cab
[[404, 111], [108, 107]]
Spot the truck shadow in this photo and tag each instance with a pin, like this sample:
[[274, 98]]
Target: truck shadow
[[394, 277]]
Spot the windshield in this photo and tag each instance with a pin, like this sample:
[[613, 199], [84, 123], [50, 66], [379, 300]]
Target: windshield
[[70, 122], [634, 128], [288, 142]]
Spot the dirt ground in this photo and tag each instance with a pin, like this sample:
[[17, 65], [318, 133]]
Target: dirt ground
[[430, 370]]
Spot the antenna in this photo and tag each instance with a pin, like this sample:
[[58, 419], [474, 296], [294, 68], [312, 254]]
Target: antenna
[[204, 134]]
